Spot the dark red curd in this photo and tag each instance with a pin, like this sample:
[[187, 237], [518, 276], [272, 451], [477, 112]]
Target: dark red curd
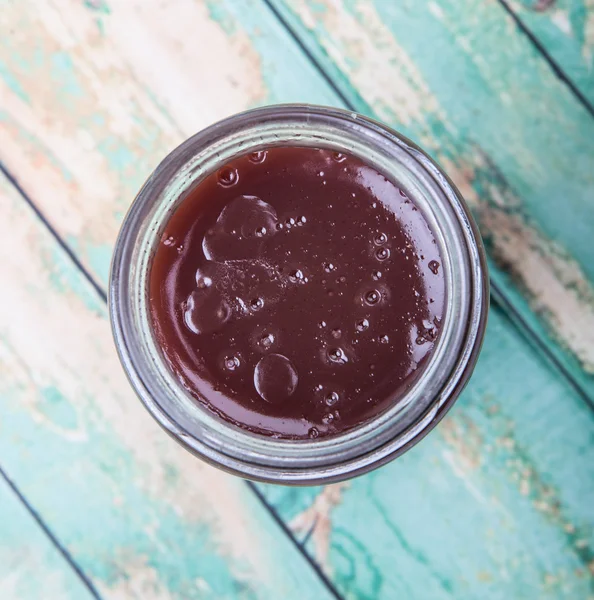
[[297, 292]]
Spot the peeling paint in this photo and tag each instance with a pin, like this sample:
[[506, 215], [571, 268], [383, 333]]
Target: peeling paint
[[573, 50], [139, 580], [542, 5], [117, 102], [361, 45], [543, 496], [318, 519], [588, 45], [561, 19], [556, 286], [465, 441]]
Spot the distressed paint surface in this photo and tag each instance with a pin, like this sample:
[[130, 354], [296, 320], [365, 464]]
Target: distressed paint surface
[[141, 516], [496, 502], [93, 99], [565, 28], [108, 115], [27, 557], [477, 105]]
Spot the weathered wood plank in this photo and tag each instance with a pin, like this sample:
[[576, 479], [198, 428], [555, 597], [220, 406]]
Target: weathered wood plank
[[496, 503], [461, 79], [565, 28], [141, 516], [29, 560]]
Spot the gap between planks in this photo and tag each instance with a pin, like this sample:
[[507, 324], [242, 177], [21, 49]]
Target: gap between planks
[[555, 67], [50, 535]]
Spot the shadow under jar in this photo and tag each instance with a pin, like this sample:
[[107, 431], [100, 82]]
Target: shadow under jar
[[298, 294]]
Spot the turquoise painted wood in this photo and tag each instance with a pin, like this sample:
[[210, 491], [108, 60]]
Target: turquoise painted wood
[[565, 28], [83, 102], [139, 515], [460, 79], [27, 557], [496, 502]]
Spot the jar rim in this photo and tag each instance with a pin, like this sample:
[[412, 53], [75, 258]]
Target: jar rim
[[375, 442]]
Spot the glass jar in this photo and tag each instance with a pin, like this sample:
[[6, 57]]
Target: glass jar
[[356, 451]]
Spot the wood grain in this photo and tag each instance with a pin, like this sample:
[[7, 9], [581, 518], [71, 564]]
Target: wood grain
[[93, 98], [141, 516], [463, 81], [565, 29], [495, 503], [27, 557]]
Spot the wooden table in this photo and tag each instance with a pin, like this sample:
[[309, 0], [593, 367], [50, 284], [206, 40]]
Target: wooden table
[[97, 502]]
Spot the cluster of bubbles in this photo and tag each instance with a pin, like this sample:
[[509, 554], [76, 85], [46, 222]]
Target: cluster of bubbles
[[275, 377], [228, 176], [428, 333], [291, 222], [171, 242], [382, 253]]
